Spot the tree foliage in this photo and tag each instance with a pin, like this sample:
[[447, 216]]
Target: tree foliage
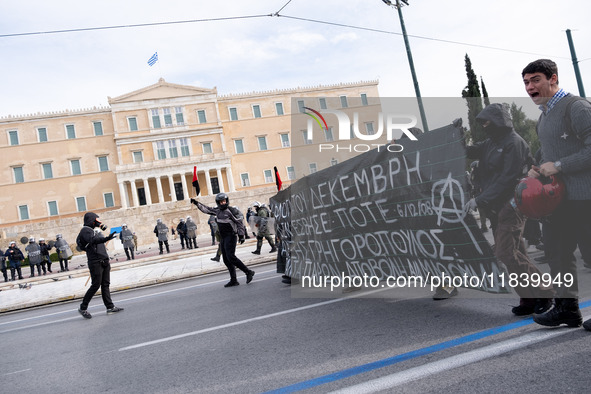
[[474, 102], [525, 127]]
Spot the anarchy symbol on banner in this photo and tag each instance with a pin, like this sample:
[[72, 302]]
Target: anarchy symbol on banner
[[446, 207]]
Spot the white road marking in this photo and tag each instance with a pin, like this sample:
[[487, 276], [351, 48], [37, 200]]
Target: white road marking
[[128, 299], [400, 378], [240, 322], [12, 373]]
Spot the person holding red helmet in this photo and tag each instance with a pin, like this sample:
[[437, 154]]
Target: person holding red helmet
[[504, 158], [564, 130]]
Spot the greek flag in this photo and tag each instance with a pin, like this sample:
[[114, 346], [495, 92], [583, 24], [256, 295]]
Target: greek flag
[[153, 59]]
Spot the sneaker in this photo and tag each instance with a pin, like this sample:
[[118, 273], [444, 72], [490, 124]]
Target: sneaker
[[215, 259], [443, 293], [231, 283], [256, 252], [85, 314], [273, 250], [114, 309], [249, 276], [587, 325]]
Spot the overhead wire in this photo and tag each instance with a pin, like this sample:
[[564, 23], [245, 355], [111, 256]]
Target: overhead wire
[[133, 25], [415, 36], [276, 14]]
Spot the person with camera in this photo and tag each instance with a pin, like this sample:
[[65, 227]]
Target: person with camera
[[91, 240], [230, 224]]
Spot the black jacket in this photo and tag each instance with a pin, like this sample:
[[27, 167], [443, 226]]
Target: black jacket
[[95, 242], [504, 158]]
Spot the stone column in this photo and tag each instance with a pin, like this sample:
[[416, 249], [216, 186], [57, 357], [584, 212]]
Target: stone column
[[123, 195], [159, 187], [208, 181], [136, 200], [184, 183], [172, 191], [230, 179], [147, 192], [220, 179]]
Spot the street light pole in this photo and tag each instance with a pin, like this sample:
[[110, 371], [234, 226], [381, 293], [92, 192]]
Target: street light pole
[[575, 63], [410, 62]]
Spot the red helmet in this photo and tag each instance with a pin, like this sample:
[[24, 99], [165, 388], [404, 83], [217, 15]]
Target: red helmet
[[538, 197]]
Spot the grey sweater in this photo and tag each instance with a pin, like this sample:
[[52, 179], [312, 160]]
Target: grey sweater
[[571, 147]]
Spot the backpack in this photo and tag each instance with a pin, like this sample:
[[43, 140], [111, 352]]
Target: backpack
[[80, 244]]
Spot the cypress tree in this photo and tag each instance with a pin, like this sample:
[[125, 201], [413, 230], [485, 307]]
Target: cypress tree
[[474, 102], [484, 93]]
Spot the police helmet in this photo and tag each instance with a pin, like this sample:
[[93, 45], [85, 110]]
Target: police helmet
[[31, 239], [41, 239], [256, 204]]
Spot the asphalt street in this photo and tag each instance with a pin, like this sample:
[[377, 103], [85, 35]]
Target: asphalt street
[[194, 336]]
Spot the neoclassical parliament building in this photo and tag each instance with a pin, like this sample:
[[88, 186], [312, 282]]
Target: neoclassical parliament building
[[132, 161]]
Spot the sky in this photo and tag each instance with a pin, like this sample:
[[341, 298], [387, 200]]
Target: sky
[[248, 47]]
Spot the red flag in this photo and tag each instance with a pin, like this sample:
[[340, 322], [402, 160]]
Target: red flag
[[196, 181], [277, 179]]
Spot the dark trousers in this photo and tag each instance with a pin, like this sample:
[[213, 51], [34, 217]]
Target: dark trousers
[[183, 238], [129, 253], [165, 243], [33, 268], [510, 250], [64, 264], [228, 244], [100, 276], [563, 228]]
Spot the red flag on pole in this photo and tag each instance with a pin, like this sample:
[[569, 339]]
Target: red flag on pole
[[196, 181], [277, 179]]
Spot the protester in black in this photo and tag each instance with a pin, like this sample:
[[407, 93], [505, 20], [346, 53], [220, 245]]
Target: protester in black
[[504, 158], [231, 225], [93, 242]]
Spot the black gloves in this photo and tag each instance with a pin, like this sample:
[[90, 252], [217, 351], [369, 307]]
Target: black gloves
[[241, 239], [193, 201], [111, 236]]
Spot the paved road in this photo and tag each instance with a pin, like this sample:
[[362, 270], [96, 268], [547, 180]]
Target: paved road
[[196, 336]]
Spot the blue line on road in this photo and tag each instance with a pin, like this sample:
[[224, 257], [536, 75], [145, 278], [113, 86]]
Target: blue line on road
[[407, 356]]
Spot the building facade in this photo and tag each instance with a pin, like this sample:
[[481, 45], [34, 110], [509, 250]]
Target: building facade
[[137, 155]]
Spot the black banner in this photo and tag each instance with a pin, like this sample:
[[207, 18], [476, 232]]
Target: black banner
[[387, 215]]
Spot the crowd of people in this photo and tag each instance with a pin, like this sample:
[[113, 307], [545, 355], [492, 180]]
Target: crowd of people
[[38, 254], [500, 161]]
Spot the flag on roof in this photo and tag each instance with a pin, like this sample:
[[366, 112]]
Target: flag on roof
[[153, 59]]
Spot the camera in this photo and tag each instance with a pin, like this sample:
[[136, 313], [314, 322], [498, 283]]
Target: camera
[[102, 227]]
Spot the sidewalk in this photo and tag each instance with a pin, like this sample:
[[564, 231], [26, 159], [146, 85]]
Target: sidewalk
[[148, 268]]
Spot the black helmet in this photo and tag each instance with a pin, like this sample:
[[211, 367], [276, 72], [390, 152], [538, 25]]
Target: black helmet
[[219, 198]]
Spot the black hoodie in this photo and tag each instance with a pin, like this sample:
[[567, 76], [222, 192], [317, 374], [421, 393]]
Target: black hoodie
[[95, 242], [504, 157]]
